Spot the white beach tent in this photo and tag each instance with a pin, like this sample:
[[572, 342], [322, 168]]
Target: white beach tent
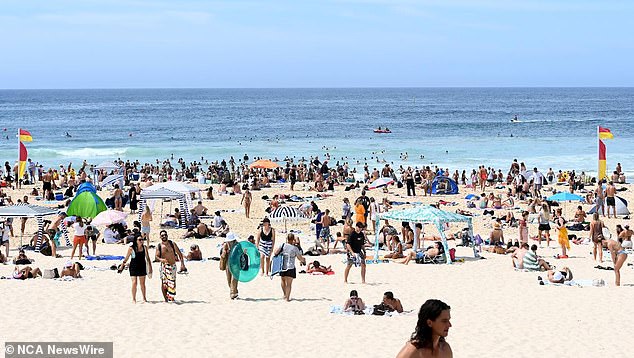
[[176, 186], [621, 207], [112, 180], [31, 211], [162, 194], [108, 167]]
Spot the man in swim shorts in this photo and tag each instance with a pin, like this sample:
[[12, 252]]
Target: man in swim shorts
[[166, 252], [356, 251], [610, 200]]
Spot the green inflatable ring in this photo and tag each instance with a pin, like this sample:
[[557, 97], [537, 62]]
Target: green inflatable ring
[[244, 261]]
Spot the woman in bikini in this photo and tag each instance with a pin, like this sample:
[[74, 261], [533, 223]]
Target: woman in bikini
[[118, 198], [523, 227], [397, 246], [246, 201], [596, 235], [619, 255]]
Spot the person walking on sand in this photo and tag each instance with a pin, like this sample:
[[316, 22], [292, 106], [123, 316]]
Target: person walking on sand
[[563, 234], [246, 201], [146, 218], [227, 246], [289, 273], [166, 252], [265, 242], [80, 237], [599, 194], [428, 339], [596, 235], [544, 225], [356, 251], [140, 266]]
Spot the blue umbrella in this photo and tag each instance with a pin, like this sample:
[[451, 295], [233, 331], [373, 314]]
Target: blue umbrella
[[565, 196]]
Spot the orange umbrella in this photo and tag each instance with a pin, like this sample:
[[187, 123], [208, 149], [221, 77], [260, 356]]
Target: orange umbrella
[[264, 164]]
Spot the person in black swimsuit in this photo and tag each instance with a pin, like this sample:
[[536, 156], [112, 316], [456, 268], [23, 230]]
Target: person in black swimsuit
[[139, 265]]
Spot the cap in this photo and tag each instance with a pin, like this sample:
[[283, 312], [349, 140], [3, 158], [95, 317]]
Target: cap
[[558, 276]]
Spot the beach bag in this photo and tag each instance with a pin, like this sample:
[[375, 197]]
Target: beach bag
[[50, 274], [452, 254], [379, 310]]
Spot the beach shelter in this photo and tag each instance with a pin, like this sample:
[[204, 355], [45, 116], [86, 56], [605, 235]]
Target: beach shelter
[[108, 167], [176, 186], [621, 207], [424, 214], [109, 217], [86, 203], [165, 194], [29, 211], [264, 164], [381, 182], [444, 185]]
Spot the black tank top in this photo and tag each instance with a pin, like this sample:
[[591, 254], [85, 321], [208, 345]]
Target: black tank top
[[266, 237], [139, 258]]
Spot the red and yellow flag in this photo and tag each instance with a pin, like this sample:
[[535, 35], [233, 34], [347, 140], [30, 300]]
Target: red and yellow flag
[[605, 133], [602, 162], [25, 136], [22, 160]]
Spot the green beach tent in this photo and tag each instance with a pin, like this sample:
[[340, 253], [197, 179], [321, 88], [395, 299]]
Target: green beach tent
[[86, 203]]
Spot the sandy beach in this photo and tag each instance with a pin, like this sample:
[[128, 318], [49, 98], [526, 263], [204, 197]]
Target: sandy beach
[[496, 311]]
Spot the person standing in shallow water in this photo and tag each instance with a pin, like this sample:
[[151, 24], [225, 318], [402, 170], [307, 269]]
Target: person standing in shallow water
[[428, 339]]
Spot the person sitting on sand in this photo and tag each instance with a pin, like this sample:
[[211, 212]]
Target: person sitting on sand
[[315, 266], [393, 304], [354, 303], [431, 252], [397, 248], [560, 276], [71, 270], [580, 215], [26, 272], [200, 209], [200, 232], [517, 257], [220, 231], [532, 262], [497, 236], [22, 259], [194, 253], [428, 339]]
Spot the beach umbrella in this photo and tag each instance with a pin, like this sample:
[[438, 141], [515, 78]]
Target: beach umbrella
[[109, 217], [565, 196], [86, 203], [286, 214], [112, 180], [264, 164], [381, 182]]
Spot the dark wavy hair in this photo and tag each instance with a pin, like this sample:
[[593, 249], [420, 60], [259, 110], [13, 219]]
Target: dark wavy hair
[[422, 336]]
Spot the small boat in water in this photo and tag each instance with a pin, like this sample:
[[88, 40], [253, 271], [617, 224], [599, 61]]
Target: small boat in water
[[382, 130]]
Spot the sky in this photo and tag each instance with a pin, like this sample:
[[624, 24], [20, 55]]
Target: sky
[[304, 43]]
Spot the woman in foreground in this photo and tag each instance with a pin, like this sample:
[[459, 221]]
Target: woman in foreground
[[428, 339]]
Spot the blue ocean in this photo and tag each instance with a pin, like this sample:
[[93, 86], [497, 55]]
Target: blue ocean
[[458, 128]]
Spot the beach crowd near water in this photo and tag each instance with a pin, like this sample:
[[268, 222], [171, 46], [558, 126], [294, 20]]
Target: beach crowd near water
[[512, 210]]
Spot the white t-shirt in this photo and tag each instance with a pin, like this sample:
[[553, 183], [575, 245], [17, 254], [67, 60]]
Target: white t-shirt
[[539, 178], [79, 230], [109, 236]]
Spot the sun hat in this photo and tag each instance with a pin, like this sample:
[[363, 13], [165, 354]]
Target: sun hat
[[231, 237]]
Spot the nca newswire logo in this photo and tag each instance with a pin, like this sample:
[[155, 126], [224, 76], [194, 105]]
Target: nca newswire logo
[[58, 349]]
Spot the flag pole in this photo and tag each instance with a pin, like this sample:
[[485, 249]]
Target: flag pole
[[598, 156], [17, 173]]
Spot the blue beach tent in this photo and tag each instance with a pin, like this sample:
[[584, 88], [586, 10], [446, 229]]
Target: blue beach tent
[[447, 186]]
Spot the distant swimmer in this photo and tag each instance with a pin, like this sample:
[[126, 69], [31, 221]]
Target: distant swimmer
[[129, 134], [68, 135]]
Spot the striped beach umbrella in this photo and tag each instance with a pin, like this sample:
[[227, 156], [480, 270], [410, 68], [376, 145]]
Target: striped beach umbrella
[[287, 214], [381, 182], [112, 180]]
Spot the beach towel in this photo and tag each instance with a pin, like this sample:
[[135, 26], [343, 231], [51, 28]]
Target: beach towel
[[104, 257], [367, 311], [578, 283], [317, 273], [168, 279]]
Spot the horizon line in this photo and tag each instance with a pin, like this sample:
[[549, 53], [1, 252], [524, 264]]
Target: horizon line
[[299, 87]]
